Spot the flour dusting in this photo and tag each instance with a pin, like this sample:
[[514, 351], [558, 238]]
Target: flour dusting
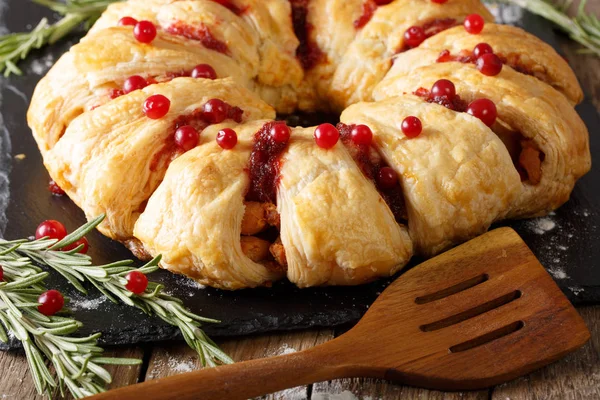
[[576, 290], [541, 225], [40, 66], [77, 304], [558, 272], [505, 13]]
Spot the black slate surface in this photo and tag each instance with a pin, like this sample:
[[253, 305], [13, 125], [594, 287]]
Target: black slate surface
[[566, 242]]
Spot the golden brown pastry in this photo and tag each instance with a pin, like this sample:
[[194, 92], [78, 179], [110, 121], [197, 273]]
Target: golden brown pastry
[[162, 118], [534, 121]]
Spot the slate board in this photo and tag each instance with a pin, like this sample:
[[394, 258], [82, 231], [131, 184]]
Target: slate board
[[566, 242]]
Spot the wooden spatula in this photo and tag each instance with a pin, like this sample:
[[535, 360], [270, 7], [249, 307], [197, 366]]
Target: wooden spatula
[[481, 314]]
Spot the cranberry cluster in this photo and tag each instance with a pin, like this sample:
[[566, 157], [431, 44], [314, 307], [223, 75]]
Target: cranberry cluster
[[443, 92]]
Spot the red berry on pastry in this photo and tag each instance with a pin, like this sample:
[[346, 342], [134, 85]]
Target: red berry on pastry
[[137, 282], [383, 2], [75, 244], [361, 134], [156, 106], [443, 87], [51, 302], [484, 109], [134, 82], [439, 1], [387, 178], [489, 64], [481, 49], [411, 127], [280, 132], [55, 189], [326, 136], [186, 137], [52, 229], [128, 21], [227, 138], [144, 31], [414, 36], [215, 111], [204, 71], [474, 23]]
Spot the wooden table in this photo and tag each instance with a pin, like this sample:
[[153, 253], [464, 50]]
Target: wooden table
[[575, 377]]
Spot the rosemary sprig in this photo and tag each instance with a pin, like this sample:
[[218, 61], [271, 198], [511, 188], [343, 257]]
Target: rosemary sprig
[[110, 280], [583, 28], [16, 46], [75, 360]]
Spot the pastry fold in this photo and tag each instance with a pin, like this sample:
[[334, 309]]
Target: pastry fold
[[457, 177], [369, 57], [111, 159], [194, 217], [518, 49], [335, 227], [531, 114]]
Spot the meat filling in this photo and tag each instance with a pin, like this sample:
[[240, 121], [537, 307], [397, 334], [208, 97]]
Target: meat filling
[[261, 220], [526, 156]]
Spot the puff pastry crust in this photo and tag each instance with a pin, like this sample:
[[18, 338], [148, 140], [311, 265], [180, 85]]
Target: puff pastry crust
[[330, 221]]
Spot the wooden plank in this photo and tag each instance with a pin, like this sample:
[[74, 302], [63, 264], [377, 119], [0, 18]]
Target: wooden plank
[[350, 389], [18, 384], [176, 358], [575, 377]]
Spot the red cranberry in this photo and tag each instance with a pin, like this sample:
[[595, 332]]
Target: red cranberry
[[186, 137], [443, 87], [51, 302], [326, 136], [215, 111], [383, 2], [52, 229], [134, 82], [137, 282], [414, 36], [474, 23], [484, 109], [75, 244], [411, 127], [55, 189], [481, 49], [1, 273], [439, 1], [156, 106], [387, 178], [361, 134], [125, 21], [227, 138], [204, 71], [280, 132], [489, 64], [144, 31]]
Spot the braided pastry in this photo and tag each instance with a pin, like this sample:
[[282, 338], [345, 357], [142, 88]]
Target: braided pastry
[[167, 127]]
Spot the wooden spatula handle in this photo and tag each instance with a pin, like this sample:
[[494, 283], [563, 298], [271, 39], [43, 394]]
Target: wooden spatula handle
[[237, 381]]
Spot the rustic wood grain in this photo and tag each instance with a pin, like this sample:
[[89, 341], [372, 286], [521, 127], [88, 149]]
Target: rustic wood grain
[[407, 333], [16, 382], [577, 376], [175, 358]]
